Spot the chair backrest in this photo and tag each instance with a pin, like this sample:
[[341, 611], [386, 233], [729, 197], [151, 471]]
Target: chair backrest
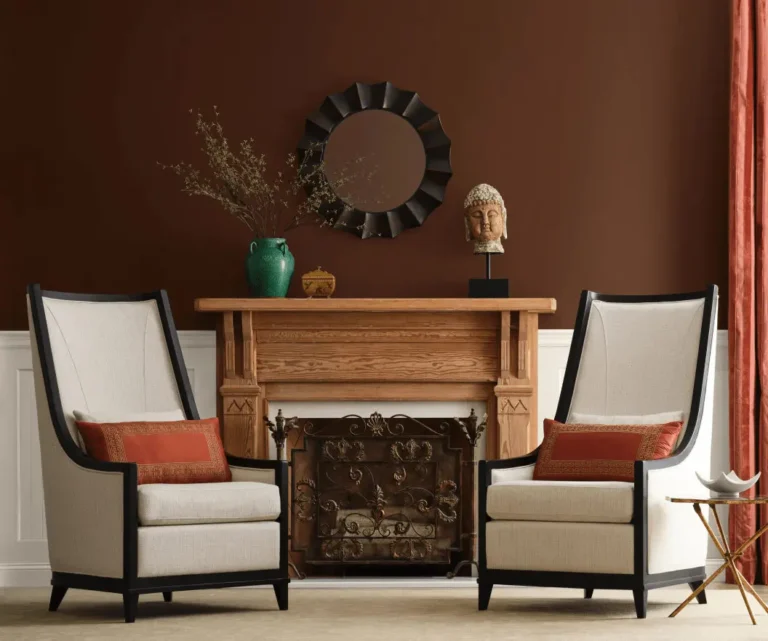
[[637, 355], [108, 354]]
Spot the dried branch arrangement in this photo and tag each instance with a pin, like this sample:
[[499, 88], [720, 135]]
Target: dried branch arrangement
[[268, 202]]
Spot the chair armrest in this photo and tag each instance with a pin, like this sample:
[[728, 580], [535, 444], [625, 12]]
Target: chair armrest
[[523, 464], [263, 471], [248, 469], [485, 473], [91, 514], [659, 464], [519, 461], [674, 475], [253, 470], [255, 463], [675, 538], [486, 467]]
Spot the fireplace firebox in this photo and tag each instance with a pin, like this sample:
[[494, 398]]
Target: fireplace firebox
[[381, 496]]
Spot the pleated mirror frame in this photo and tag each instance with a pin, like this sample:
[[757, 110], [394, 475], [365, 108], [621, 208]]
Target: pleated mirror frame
[[437, 150]]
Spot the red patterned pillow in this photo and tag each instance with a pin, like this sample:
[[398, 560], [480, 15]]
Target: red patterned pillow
[[165, 452], [575, 452]]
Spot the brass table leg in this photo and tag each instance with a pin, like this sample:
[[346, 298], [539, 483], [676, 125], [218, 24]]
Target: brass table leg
[[728, 557], [725, 551], [737, 573], [751, 590], [459, 565], [299, 574]]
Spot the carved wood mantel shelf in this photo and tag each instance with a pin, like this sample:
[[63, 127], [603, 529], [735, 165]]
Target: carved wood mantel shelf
[[388, 349]]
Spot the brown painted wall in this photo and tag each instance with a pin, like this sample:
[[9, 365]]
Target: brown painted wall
[[602, 122]]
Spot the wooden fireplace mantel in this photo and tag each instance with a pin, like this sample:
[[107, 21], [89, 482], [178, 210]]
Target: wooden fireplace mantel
[[387, 349]]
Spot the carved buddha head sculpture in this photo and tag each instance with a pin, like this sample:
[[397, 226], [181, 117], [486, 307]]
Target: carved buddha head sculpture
[[485, 219]]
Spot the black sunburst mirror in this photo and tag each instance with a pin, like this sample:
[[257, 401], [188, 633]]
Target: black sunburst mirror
[[397, 149]]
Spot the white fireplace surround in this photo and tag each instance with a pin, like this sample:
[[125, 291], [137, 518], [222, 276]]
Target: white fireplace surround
[[23, 550]]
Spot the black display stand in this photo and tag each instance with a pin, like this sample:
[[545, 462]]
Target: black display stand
[[488, 287]]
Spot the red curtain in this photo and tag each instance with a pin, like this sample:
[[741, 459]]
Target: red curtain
[[748, 273]]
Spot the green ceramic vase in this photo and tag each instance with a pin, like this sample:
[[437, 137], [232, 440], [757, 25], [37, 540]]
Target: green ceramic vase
[[269, 268]]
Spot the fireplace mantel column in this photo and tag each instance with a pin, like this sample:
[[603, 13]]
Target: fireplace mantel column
[[242, 406], [514, 397]]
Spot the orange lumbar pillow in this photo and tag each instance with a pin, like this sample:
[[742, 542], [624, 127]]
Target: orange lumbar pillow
[[165, 452], [578, 452]]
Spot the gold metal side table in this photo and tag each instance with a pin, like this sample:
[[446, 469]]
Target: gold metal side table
[[724, 548]]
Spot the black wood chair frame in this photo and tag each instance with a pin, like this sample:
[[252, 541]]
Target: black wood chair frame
[[131, 585], [640, 581]]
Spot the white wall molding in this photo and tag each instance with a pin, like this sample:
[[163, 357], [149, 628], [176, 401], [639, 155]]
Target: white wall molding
[[197, 339], [194, 339], [555, 338], [14, 340], [23, 549], [24, 575]]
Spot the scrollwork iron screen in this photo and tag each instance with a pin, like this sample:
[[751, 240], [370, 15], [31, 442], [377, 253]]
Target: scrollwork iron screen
[[381, 491]]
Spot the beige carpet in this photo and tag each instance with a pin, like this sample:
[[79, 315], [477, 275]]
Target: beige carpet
[[389, 614]]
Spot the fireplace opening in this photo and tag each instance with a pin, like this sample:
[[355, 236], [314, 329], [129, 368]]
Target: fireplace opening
[[375, 496]]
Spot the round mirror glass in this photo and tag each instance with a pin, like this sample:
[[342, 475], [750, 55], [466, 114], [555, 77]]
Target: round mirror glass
[[375, 159]]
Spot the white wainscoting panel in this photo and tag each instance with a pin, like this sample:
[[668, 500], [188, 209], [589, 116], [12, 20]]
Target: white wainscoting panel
[[23, 549]]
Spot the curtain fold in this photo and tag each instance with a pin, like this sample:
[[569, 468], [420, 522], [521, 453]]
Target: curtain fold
[[748, 278], [761, 259]]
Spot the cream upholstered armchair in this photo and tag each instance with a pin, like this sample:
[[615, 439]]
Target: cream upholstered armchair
[[120, 355], [631, 356]]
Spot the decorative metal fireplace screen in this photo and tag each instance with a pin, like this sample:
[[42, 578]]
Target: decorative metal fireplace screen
[[383, 492]]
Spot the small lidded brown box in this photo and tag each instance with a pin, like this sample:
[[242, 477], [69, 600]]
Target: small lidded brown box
[[318, 283]]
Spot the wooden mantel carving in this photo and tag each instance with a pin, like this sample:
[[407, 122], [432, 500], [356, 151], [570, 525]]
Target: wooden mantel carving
[[388, 349]]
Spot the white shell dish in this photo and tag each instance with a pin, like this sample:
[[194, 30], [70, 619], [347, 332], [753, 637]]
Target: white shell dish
[[728, 485]]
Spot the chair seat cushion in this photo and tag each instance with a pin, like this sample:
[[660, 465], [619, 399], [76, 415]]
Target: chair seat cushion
[[208, 548], [573, 501], [188, 504], [537, 546]]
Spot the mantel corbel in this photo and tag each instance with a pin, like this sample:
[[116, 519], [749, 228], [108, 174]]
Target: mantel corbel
[[242, 400], [514, 397]]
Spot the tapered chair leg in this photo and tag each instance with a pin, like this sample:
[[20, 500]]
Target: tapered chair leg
[[641, 603], [588, 592], [483, 594], [281, 592], [57, 595], [167, 597], [701, 597], [130, 606]]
